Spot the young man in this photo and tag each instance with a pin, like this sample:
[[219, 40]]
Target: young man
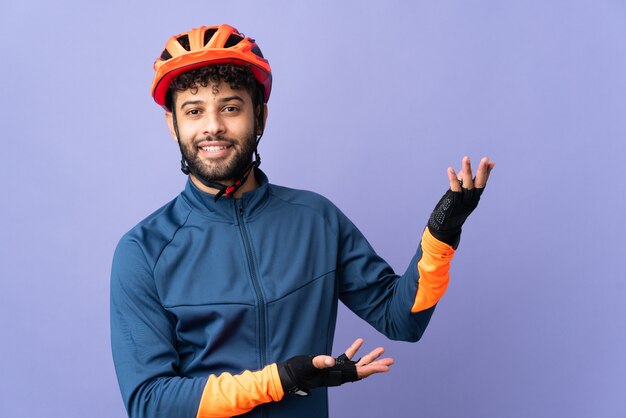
[[224, 301]]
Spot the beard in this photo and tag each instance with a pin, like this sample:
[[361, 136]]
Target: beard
[[220, 171]]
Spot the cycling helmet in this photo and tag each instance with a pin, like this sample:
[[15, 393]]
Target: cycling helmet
[[206, 46]]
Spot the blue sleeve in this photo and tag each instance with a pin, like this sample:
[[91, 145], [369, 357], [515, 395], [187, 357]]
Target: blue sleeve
[[143, 342], [371, 289]]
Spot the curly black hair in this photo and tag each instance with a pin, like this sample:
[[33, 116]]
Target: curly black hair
[[238, 77]]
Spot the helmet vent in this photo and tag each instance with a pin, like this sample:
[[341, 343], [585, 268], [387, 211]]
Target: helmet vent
[[165, 55], [257, 51], [233, 40], [208, 35], [183, 40]]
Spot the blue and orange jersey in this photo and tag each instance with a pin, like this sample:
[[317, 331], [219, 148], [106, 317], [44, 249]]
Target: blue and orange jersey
[[206, 298]]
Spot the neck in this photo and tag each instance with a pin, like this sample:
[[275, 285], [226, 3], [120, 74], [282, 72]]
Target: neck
[[250, 184]]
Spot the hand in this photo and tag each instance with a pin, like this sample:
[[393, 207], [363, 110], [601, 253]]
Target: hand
[[465, 177], [459, 201], [367, 365], [300, 374]]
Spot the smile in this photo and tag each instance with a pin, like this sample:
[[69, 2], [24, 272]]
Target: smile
[[215, 148]]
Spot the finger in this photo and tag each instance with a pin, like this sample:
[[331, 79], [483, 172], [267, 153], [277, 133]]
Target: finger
[[466, 173], [482, 174], [371, 356], [322, 362], [351, 351], [454, 181], [380, 366]]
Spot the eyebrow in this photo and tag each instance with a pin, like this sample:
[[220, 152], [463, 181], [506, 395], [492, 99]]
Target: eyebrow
[[230, 98], [221, 100], [190, 102]]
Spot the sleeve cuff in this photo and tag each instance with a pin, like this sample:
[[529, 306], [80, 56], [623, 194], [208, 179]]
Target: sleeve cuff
[[434, 272]]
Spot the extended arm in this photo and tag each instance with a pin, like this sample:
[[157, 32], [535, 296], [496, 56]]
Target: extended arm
[[401, 306]]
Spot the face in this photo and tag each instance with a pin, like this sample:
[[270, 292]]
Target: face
[[217, 131]]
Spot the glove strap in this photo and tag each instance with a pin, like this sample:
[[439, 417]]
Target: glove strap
[[298, 374], [450, 213]]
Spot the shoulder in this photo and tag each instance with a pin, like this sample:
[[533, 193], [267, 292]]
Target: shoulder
[[146, 240], [305, 201], [303, 198]]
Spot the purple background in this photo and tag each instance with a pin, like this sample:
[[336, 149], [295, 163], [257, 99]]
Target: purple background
[[372, 102]]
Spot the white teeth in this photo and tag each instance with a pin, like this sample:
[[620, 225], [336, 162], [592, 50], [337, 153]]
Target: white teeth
[[214, 148]]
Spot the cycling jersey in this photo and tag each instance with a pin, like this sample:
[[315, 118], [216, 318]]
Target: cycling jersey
[[207, 296]]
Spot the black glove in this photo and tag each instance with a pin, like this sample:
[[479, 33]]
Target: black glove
[[451, 212], [298, 374]]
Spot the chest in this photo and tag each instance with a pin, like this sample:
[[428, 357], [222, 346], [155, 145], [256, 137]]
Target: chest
[[217, 263]]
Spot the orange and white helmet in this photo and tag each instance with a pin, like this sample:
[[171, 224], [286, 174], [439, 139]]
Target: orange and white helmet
[[207, 46]]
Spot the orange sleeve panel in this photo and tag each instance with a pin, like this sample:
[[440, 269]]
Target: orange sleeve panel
[[434, 272], [227, 395]]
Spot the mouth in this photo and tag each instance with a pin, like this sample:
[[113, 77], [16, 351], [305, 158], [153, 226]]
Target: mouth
[[214, 149]]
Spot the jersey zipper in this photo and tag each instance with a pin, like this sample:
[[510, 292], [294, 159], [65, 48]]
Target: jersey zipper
[[255, 284]]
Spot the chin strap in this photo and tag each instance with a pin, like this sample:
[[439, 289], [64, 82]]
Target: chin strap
[[223, 189]]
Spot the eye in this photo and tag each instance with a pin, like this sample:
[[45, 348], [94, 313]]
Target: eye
[[230, 109]]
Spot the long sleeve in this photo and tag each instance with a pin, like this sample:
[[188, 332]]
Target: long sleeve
[[144, 352], [227, 395], [398, 306], [433, 270]]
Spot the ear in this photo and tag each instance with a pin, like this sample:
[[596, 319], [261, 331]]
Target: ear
[[170, 124], [260, 128]]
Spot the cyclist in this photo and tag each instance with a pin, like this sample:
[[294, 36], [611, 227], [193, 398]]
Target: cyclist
[[224, 301]]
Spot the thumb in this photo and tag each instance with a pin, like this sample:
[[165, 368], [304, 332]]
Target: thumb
[[323, 362]]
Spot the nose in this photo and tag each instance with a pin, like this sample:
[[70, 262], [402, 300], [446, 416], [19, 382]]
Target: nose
[[214, 125]]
